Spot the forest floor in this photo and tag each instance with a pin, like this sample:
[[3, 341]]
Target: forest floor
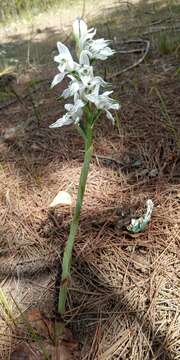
[[125, 289]]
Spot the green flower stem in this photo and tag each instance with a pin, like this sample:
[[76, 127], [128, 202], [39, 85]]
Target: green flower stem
[[75, 220]]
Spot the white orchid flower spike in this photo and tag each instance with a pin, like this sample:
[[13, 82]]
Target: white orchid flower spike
[[84, 86]]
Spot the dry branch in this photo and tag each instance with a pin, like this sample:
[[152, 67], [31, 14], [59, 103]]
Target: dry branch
[[138, 62]]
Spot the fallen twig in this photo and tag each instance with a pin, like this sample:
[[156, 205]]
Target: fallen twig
[[83, 9], [130, 51], [162, 28], [138, 62], [157, 22]]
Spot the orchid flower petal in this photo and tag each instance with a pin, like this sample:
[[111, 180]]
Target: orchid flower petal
[[84, 59], [57, 79], [64, 51], [64, 58], [79, 28], [65, 120], [109, 116], [68, 107]]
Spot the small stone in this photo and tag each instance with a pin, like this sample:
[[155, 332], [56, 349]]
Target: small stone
[[62, 198], [153, 173]]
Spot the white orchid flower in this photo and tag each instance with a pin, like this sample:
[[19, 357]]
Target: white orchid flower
[[86, 81], [65, 61], [91, 87], [86, 75], [73, 115], [73, 88], [85, 71], [104, 102], [82, 34], [80, 89], [98, 49], [64, 58]]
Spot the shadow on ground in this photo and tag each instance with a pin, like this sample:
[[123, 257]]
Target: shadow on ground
[[109, 312]]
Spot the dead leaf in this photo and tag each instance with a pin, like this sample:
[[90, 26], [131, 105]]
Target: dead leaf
[[42, 326], [36, 351], [131, 235], [140, 262], [35, 147], [11, 133], [25, 351], [64, 347], [62, 198]]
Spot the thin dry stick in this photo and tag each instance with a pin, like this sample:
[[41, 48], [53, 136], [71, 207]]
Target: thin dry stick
[[164, 28], [133, 65], [129, 51], [83, 9], [97, 156]]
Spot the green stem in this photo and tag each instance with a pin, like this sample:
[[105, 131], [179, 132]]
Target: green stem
[[75, 220]]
